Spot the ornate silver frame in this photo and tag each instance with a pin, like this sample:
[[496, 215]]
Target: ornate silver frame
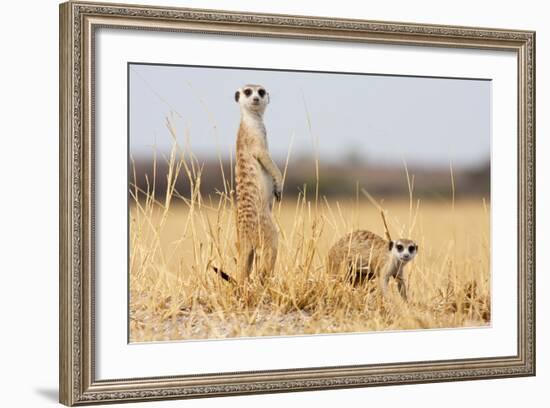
[[78, 22]]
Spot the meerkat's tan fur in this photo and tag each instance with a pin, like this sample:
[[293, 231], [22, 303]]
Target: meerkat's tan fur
[[258, 181], [362, 255]]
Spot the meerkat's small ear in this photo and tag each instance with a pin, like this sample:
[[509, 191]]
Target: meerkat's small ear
[[391, 245], [237, 95]]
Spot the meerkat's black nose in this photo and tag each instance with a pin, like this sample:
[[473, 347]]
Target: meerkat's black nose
[[256, 99]]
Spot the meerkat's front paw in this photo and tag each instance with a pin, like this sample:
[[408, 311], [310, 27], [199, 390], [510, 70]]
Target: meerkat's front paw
[[277, 192]]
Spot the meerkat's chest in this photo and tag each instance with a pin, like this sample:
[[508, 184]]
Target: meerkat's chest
[[251, 145], [247, 165]]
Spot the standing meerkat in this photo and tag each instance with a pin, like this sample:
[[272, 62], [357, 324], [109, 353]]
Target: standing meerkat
[[258, 180], [362, 255]]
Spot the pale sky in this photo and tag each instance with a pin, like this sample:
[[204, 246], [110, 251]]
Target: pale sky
[[382, 119]]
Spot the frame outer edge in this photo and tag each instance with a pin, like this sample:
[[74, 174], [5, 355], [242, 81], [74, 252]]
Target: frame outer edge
[[66, 372], [526, 204], [534, 292], [532, 166]]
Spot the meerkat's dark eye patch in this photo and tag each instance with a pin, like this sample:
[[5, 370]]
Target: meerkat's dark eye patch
[[400, 247], [248, 92], [412, 249], [261, 92]]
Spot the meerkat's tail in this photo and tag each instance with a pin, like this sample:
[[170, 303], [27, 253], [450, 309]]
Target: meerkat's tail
[[223, 275], [226, 277]]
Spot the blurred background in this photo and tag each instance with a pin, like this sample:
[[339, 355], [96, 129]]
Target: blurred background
[[363, 129]]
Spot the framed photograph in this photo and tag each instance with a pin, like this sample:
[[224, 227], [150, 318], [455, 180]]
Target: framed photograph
[[255, 203]]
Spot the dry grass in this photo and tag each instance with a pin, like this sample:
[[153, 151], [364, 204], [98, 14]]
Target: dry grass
[[174, 294]]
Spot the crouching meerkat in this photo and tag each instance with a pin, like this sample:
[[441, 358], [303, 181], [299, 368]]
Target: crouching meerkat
[[362, 255], [258, 181]]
